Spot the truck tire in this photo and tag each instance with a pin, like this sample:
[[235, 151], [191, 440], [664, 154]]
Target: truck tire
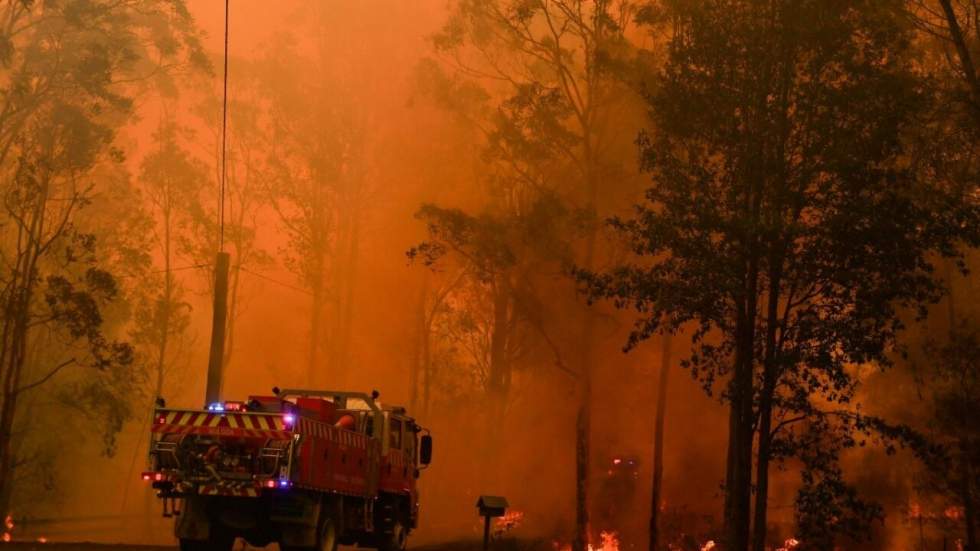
[[214, 543], [192, 545], [397, 540], [328, 536]]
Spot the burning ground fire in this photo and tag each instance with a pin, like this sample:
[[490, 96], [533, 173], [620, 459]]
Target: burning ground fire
[[788, 545], [608, 541], [506, 523], [8, 531]]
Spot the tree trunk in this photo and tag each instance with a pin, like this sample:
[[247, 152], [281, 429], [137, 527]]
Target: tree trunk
[[658, 445], [966, 65], [738, 488], [6, 459], [767, 395], [14, 365], [969, 502], [970, 518], [313, 363], [583, 436], [427, 369], [497, 387], [16, 319], [346, 313], [165, 307], [421, 334], [583, 430], [14, 344]]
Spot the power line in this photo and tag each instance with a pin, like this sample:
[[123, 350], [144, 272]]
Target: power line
[[163, 270], [277, 282]]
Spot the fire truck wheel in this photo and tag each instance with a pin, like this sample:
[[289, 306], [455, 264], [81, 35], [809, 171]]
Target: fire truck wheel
[[328, 536], [220, 543], [397, 540]]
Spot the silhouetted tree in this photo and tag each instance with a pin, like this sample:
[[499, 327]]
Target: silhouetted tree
[[658, 444], [956, 27], [784, 227], [245, 193], [490, 306], [954, 386], [171, 179], [541, 80], [68, 67], [316, 187]]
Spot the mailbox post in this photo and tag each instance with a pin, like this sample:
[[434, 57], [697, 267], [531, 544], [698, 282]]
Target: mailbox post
[[490, 507]]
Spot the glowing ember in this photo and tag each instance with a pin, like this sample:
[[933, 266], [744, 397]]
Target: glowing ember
[[953, 513], [708, 546], [915, 511], [609, 541], [508, 522], [6, 537], [42, 539], [789, 545], [8, 522]]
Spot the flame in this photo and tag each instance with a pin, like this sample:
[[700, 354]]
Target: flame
[[708, 546], [42, 539], [789, 545], [609, 541], [954, 513], [508, 522], [915, 510], [8, 523]]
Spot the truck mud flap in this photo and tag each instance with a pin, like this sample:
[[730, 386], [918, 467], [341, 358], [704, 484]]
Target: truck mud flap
[[193, 522]]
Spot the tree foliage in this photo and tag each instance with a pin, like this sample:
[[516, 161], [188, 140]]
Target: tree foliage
[[785, 225], [70, 68]]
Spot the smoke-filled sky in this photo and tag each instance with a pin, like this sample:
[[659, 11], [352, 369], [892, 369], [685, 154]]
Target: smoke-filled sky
[[376, 98]]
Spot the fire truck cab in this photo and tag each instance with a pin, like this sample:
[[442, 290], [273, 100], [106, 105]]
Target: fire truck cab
[[308, 469]]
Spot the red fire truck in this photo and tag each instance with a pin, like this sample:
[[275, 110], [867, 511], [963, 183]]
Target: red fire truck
[[308, 469]]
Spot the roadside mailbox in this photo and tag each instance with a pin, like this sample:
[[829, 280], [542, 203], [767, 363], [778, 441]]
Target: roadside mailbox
[[490, 507]]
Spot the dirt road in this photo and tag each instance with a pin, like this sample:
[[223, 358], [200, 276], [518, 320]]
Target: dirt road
[[507, 545]]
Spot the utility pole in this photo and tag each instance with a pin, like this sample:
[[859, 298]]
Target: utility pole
[[218, 324], [219, 317]]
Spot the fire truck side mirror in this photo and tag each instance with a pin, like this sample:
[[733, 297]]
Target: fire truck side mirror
[[425, 449]]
